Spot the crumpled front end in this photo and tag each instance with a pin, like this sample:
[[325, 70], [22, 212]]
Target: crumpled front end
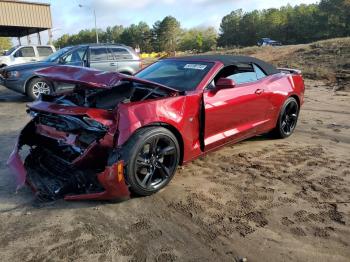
[[67, 160]]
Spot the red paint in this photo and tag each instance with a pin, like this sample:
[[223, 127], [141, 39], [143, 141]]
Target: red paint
[[115, 187], [231, 115]]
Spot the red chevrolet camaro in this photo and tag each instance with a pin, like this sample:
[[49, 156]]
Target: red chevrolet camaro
[[103, 135]]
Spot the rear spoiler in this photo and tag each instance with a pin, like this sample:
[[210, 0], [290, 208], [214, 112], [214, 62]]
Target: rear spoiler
[[290, 71]]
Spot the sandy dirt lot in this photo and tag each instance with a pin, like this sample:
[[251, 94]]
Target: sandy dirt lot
[[262, 199]]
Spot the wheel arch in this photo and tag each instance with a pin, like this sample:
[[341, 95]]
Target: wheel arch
[[296, 97], [26, 83], [173, 130]]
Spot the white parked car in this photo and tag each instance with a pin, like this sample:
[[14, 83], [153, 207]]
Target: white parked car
[[25, 53]]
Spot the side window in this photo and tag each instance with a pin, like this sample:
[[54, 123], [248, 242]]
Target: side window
[[44, 50], [25, 52], [244, 74], [120, 53], [98, 54], [240, 73], [244, 77], [75, 56], [259, 73]]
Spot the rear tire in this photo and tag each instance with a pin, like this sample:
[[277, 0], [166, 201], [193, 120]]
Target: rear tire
[[151, 157], [38, 86], [287, 119]]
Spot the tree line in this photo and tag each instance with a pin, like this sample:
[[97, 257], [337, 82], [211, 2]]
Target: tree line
[[165, 35], [290, 25]]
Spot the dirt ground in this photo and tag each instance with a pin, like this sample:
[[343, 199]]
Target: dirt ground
[[262, 199]]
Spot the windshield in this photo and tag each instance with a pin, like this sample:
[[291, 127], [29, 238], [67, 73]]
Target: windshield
[[53, 57], [180, 75], [8, 52]]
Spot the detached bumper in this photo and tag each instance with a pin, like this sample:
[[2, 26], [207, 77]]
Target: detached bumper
[[111, 179], [16, 165]]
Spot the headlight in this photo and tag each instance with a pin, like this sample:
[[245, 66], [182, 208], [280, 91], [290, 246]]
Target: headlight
[[12, 74]]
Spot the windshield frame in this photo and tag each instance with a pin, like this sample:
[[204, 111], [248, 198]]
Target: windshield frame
[[10, 51], [209, 64]]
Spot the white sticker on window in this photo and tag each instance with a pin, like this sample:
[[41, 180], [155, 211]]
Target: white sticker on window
[[195, 66]]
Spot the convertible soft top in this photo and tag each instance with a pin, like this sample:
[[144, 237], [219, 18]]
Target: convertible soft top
[[233, 60]]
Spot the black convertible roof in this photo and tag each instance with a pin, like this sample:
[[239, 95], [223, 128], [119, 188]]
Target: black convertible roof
[[233, 60]]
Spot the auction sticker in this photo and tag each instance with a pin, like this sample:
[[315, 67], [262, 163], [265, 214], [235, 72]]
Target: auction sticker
[[195, 66]]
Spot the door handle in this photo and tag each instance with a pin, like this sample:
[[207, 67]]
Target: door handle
[[113, 64], [259, 91]]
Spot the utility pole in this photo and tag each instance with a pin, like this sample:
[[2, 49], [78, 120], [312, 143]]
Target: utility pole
[[96, 27], [94, 11]]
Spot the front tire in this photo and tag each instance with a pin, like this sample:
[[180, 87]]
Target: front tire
[[38, 86], [151, 157], [287, 119]]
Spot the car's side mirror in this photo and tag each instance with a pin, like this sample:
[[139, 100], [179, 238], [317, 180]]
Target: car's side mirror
[[225, 83]]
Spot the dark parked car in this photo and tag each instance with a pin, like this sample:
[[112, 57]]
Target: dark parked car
[[268, 42], [116, 133], [115, 58]]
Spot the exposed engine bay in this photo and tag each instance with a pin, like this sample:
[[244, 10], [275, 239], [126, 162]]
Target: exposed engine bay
[[108, 99]]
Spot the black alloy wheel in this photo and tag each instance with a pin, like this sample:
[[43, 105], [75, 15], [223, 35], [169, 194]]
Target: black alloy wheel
[[155, 162], [288, 118], [152, 156]]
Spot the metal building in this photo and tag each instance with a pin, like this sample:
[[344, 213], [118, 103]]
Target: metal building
[[19, 18]]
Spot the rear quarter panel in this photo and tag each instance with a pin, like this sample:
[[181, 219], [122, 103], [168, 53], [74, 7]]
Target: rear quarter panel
[[279, 87], [129, 66]]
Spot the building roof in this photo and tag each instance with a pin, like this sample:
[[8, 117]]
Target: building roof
[[233, 60], [19, 18]]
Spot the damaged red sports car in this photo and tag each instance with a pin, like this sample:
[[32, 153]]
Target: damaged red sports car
[[103, 135]]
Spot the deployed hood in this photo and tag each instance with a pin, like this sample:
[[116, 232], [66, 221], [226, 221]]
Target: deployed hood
[[92, 78]]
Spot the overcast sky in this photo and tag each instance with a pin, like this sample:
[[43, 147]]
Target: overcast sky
[[68, 17]]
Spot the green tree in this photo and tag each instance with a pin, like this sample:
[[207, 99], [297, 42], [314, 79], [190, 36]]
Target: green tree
[[229, 29], [5, 43], [335, 17], [199, 40], [168, 33], [137, 36], [113, 33], [209, 39]]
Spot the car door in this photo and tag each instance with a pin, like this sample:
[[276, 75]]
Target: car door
[[44, 51], [101, 59], [235, 113], [24, 54], [125, 61], [75, 57]]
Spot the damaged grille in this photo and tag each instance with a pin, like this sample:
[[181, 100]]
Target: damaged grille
[[54, 178]]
